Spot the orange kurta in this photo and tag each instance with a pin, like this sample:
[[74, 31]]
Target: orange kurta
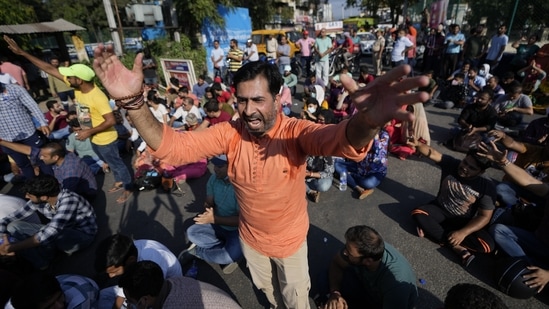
[[267, 173]]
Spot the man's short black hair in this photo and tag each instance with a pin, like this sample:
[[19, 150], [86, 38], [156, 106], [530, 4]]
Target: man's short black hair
[[144, 278], [50, 104], [34, 290], [369, 242], [56, 149], [43, 185], [515, 87], [482, 162], [459, 75], [473, 69], [74, 123], [252, 70], [363, 69], [486, 90], [183, 89], [467, 296], [216, 87], [211, 106], [114, 251]]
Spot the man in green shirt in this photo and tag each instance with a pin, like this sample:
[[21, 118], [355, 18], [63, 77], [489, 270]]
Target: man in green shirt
[[387, 278]]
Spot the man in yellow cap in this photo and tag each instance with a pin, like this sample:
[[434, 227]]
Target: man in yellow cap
[[94, 109]]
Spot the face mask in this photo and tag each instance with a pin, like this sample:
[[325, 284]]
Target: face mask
[[311, 110]]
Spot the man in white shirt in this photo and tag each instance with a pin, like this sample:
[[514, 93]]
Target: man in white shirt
[[401, 46], [250, 52], [497, 47], [187, 107], [218, 59], [271, 45]]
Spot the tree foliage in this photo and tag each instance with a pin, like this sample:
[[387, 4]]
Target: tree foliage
[[531, 14], [395, 6], [16, 12], [260, 11]]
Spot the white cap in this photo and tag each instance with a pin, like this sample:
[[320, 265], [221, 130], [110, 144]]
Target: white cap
[[288, 68], [332, 35]]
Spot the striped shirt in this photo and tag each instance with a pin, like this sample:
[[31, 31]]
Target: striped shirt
[[235, 65], [16, 111], [71, 211]]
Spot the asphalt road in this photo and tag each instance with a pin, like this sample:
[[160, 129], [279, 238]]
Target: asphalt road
[[165, 217]]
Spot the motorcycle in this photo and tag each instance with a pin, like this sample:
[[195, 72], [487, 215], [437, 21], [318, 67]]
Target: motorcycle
[[337, 61]]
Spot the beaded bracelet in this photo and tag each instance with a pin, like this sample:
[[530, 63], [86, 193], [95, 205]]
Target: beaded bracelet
[[133, 104], [131, 96]]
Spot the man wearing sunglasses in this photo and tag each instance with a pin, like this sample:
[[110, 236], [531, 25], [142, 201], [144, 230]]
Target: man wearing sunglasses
[[384, 276]]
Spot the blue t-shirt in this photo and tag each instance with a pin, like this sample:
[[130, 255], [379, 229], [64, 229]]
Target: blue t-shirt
[[453, 48], [496, 44]]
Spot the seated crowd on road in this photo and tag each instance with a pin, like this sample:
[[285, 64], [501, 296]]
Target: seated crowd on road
[[54, 157]]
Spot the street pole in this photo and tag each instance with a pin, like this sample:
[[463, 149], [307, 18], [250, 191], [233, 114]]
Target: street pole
[[512, 18], [112, 27], [342, 11]]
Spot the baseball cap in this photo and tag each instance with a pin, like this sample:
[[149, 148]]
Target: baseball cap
[[305, 32], [219, 160], [249, 41], [287, 68], [81, 71], [332, 35], [217, 79]]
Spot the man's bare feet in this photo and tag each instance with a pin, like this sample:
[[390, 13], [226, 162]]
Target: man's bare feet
[[124, 197]]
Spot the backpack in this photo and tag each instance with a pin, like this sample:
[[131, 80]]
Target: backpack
[[148, 180]]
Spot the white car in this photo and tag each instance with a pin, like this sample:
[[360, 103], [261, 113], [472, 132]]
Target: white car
[[367, 39]]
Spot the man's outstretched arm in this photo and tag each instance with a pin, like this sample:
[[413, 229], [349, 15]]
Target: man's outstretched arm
[[380, 102], [41, 64]]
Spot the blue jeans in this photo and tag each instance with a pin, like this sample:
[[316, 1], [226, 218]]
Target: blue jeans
[[215, 244], [369, 181], [109, 153], [69, 241], [318, 184], [517, 242], [508, 193], [60, 134], [94, 163], [36, 140]]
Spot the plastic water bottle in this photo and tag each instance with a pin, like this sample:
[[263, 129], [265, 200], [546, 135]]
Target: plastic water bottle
[[343, 181], [192, 271]]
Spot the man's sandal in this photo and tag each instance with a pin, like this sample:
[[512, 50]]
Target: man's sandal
[[466, 258], [116, 187]]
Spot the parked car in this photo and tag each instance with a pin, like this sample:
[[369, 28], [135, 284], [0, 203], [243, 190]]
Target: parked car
[[367, 39], [260, 36]]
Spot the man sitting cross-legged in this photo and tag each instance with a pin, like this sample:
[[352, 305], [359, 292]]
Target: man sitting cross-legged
[[71, 172], [214, 237], [463, 206], [532, 246], [71, 225]]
